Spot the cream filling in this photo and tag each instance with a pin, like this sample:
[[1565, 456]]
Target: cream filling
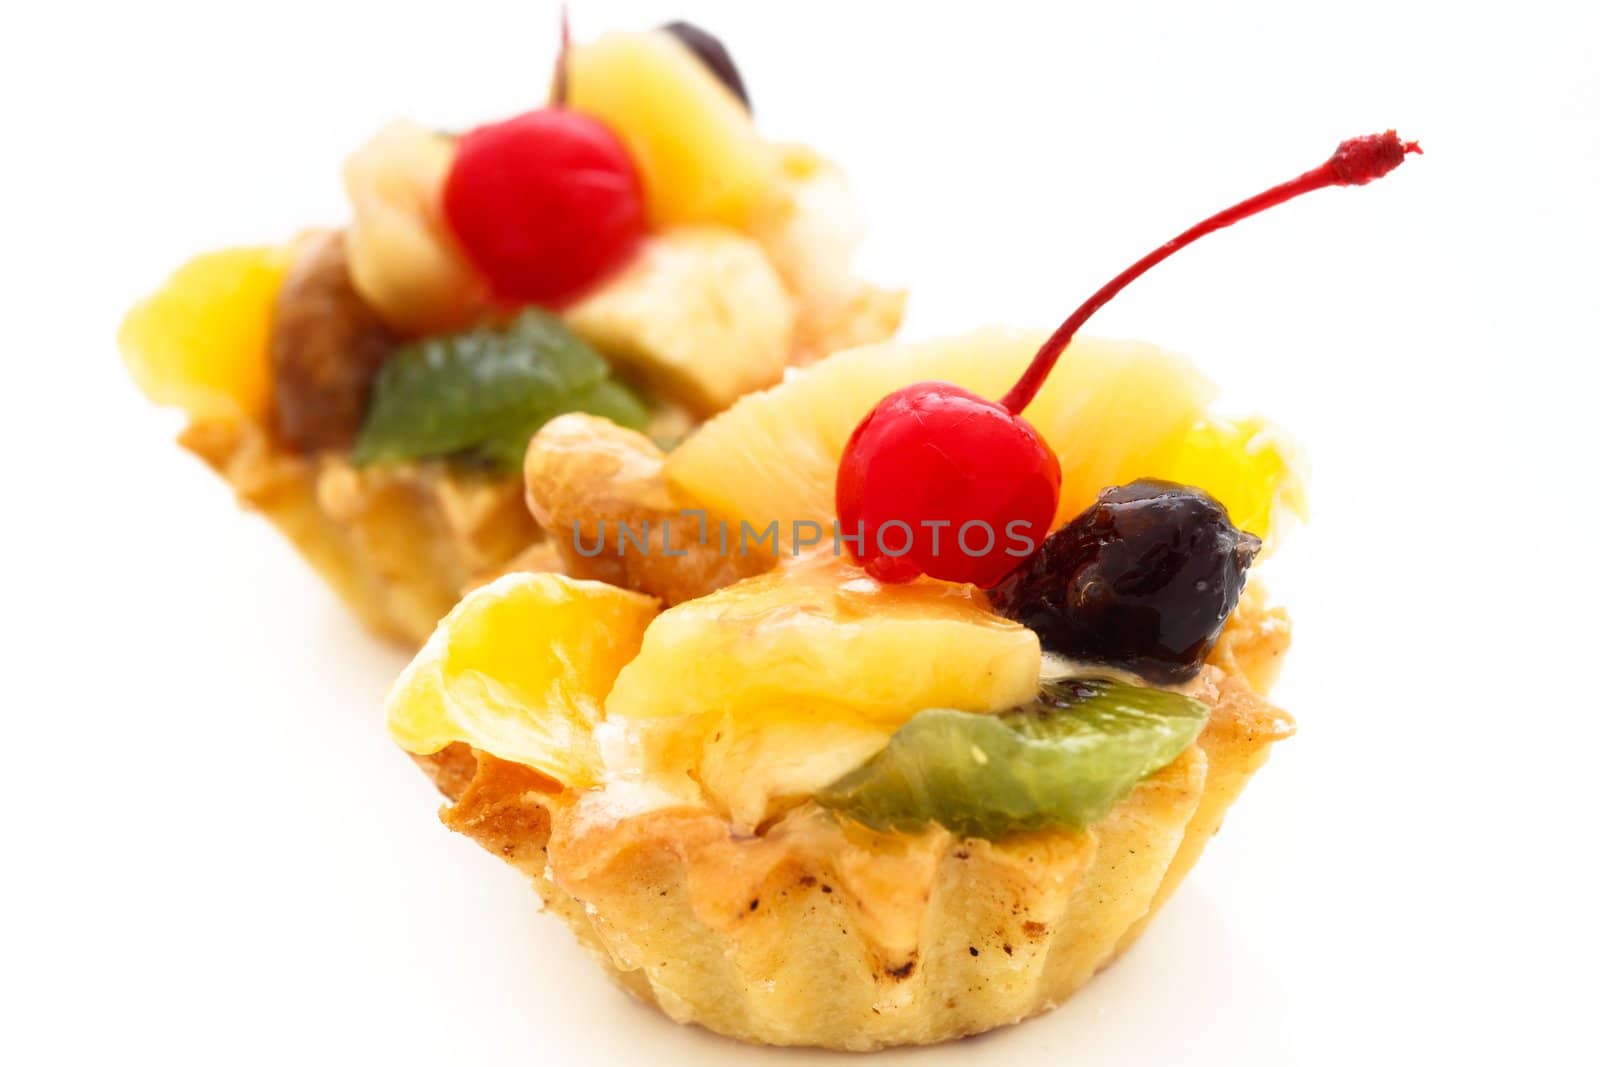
[[747, 772], [1054, 667]]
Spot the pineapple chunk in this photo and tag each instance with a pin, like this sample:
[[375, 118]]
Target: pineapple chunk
[[203, 342], [765, 691], [403, 259], [775, 454], [699, 313], [1112, 410], [818, 638], [519, 670], [698, 153]]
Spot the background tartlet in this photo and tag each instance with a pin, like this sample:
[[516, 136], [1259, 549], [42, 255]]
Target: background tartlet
[[277, 354]]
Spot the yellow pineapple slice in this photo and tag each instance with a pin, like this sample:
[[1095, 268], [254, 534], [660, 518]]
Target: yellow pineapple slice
[[1112, 410], [817, 637], [761, 693], [202, 343], [698, 153], [519, 669]]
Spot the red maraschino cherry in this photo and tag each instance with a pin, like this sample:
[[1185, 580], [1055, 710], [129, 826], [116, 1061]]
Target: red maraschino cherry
[[931, 478], [933, 460], [545, 204]]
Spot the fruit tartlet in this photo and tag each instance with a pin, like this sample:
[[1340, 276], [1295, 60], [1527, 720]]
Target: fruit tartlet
[[635, 250], [879, 791]]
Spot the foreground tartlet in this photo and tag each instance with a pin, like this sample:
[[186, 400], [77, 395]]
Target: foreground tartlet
[[934, 752], [676, 781], [636, 250]]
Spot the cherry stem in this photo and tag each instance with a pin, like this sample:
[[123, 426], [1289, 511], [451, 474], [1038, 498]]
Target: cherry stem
[[1355, 162], [558, 87]]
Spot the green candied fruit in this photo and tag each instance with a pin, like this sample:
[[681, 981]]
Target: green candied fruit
[[1061, 761], [481, 394], [606, 397]]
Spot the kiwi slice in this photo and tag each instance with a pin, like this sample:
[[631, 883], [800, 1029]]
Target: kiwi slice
[[1060, 761], [481, 394]]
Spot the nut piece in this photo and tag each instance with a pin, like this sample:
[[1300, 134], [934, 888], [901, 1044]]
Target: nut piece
[[599, 492], [327, 345]]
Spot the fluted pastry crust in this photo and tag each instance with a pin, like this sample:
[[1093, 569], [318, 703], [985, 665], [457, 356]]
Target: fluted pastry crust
[[818, 931]]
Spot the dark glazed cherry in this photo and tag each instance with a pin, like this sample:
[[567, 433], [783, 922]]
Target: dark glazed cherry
[[1142, 580], [714, 54]]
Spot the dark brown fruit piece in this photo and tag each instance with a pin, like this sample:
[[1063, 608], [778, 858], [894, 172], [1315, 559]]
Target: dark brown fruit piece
[[1142, 580], [327, 346], [714, 54]]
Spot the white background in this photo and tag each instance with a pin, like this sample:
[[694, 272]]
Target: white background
[[212, 854]]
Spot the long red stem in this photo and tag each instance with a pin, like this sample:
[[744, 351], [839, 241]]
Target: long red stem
[[1355, 162], [558, 89]]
